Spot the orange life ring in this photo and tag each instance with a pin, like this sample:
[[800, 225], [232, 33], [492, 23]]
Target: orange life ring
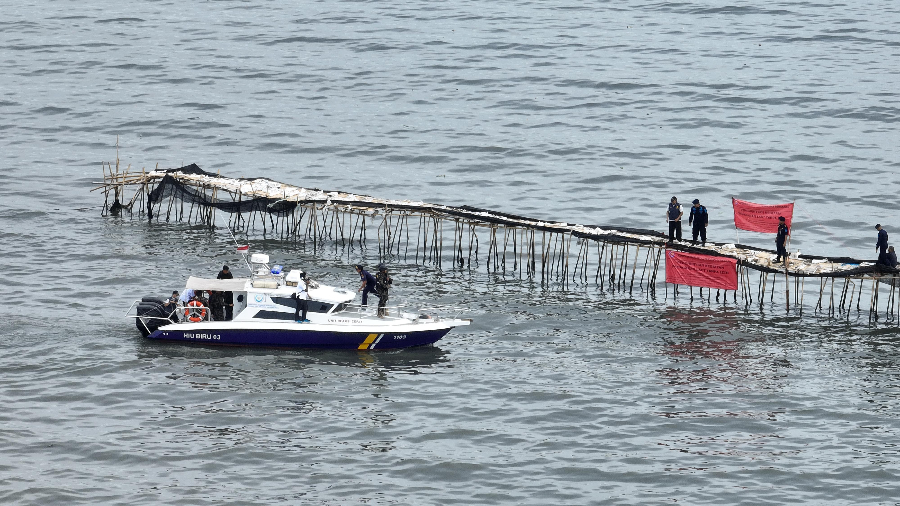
[[192, 312]]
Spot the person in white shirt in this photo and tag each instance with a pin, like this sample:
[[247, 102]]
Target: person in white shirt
[[186, 296], [301, 298]]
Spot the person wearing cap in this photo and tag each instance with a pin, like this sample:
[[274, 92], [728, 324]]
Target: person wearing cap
[[882, 244], [225, 273], [383, 283], [673, 217], [700, 219], [368, 284], [781, 240], [301, 298]]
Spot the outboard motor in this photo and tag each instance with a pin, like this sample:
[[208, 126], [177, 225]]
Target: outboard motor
[[157, 313]]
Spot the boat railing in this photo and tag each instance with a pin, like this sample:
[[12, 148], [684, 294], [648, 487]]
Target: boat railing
[[443, 311], [390, 312], [405, 312]]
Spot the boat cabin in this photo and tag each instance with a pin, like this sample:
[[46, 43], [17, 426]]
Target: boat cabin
[[266, 295]]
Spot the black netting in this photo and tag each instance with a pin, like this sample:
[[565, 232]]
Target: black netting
[[170, 187], [192, 169]]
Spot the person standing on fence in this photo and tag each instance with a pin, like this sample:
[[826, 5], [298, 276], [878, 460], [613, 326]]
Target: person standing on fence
[[673, 216], [882, 244], [781, 240], [383, 283], [699, 218]]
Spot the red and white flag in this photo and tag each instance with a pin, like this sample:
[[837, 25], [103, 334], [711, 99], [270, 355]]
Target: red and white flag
[[760, 217], [243, 249], [694, 269]]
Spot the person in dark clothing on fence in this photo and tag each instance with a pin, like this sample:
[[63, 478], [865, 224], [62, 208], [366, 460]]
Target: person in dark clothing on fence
[[229, 296], [882, 245], [891, 258], [781, 240], [367, 286], [699, 219], [383, 283], [673, 216]]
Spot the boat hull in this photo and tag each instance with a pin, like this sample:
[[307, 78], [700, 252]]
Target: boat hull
[[295, 335]]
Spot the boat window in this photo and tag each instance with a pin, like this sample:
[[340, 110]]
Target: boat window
[[274, 315], [313, 306], [340, 307]]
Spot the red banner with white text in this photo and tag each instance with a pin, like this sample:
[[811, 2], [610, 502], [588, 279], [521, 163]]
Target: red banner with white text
[[693, 269], [760, 217]]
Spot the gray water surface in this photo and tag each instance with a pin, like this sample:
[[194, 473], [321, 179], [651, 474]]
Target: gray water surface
[[581, 112]]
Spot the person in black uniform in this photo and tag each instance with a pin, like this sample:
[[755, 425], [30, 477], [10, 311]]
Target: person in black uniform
[[891, 257], [383, 283], [229, 296], [781, 240], [673, 216], [882, 245], [368, 284], [699, 218]]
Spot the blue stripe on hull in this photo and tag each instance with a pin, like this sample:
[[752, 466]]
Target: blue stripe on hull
[[301, 338]]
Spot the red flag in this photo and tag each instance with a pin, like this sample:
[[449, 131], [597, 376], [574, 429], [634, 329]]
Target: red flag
[[760, 217], [693, 269], [243, 249]]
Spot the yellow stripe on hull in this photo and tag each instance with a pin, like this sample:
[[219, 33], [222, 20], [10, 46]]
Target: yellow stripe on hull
[[365, 344]]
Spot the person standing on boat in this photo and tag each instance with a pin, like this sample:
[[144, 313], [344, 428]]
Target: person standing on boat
[[217, 305], [383, 283], [186, 296], [882, 244], [781, 240], [301, 298], [368, 284], [673, 216], [229, 296], [700, 219], [171, 306], [173, 299]]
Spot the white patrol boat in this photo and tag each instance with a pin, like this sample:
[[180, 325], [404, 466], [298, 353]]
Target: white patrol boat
[[264, 316]]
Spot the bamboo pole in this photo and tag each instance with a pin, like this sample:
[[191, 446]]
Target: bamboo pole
[[637, 251]]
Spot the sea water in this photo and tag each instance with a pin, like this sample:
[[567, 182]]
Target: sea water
[[592, 113]]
